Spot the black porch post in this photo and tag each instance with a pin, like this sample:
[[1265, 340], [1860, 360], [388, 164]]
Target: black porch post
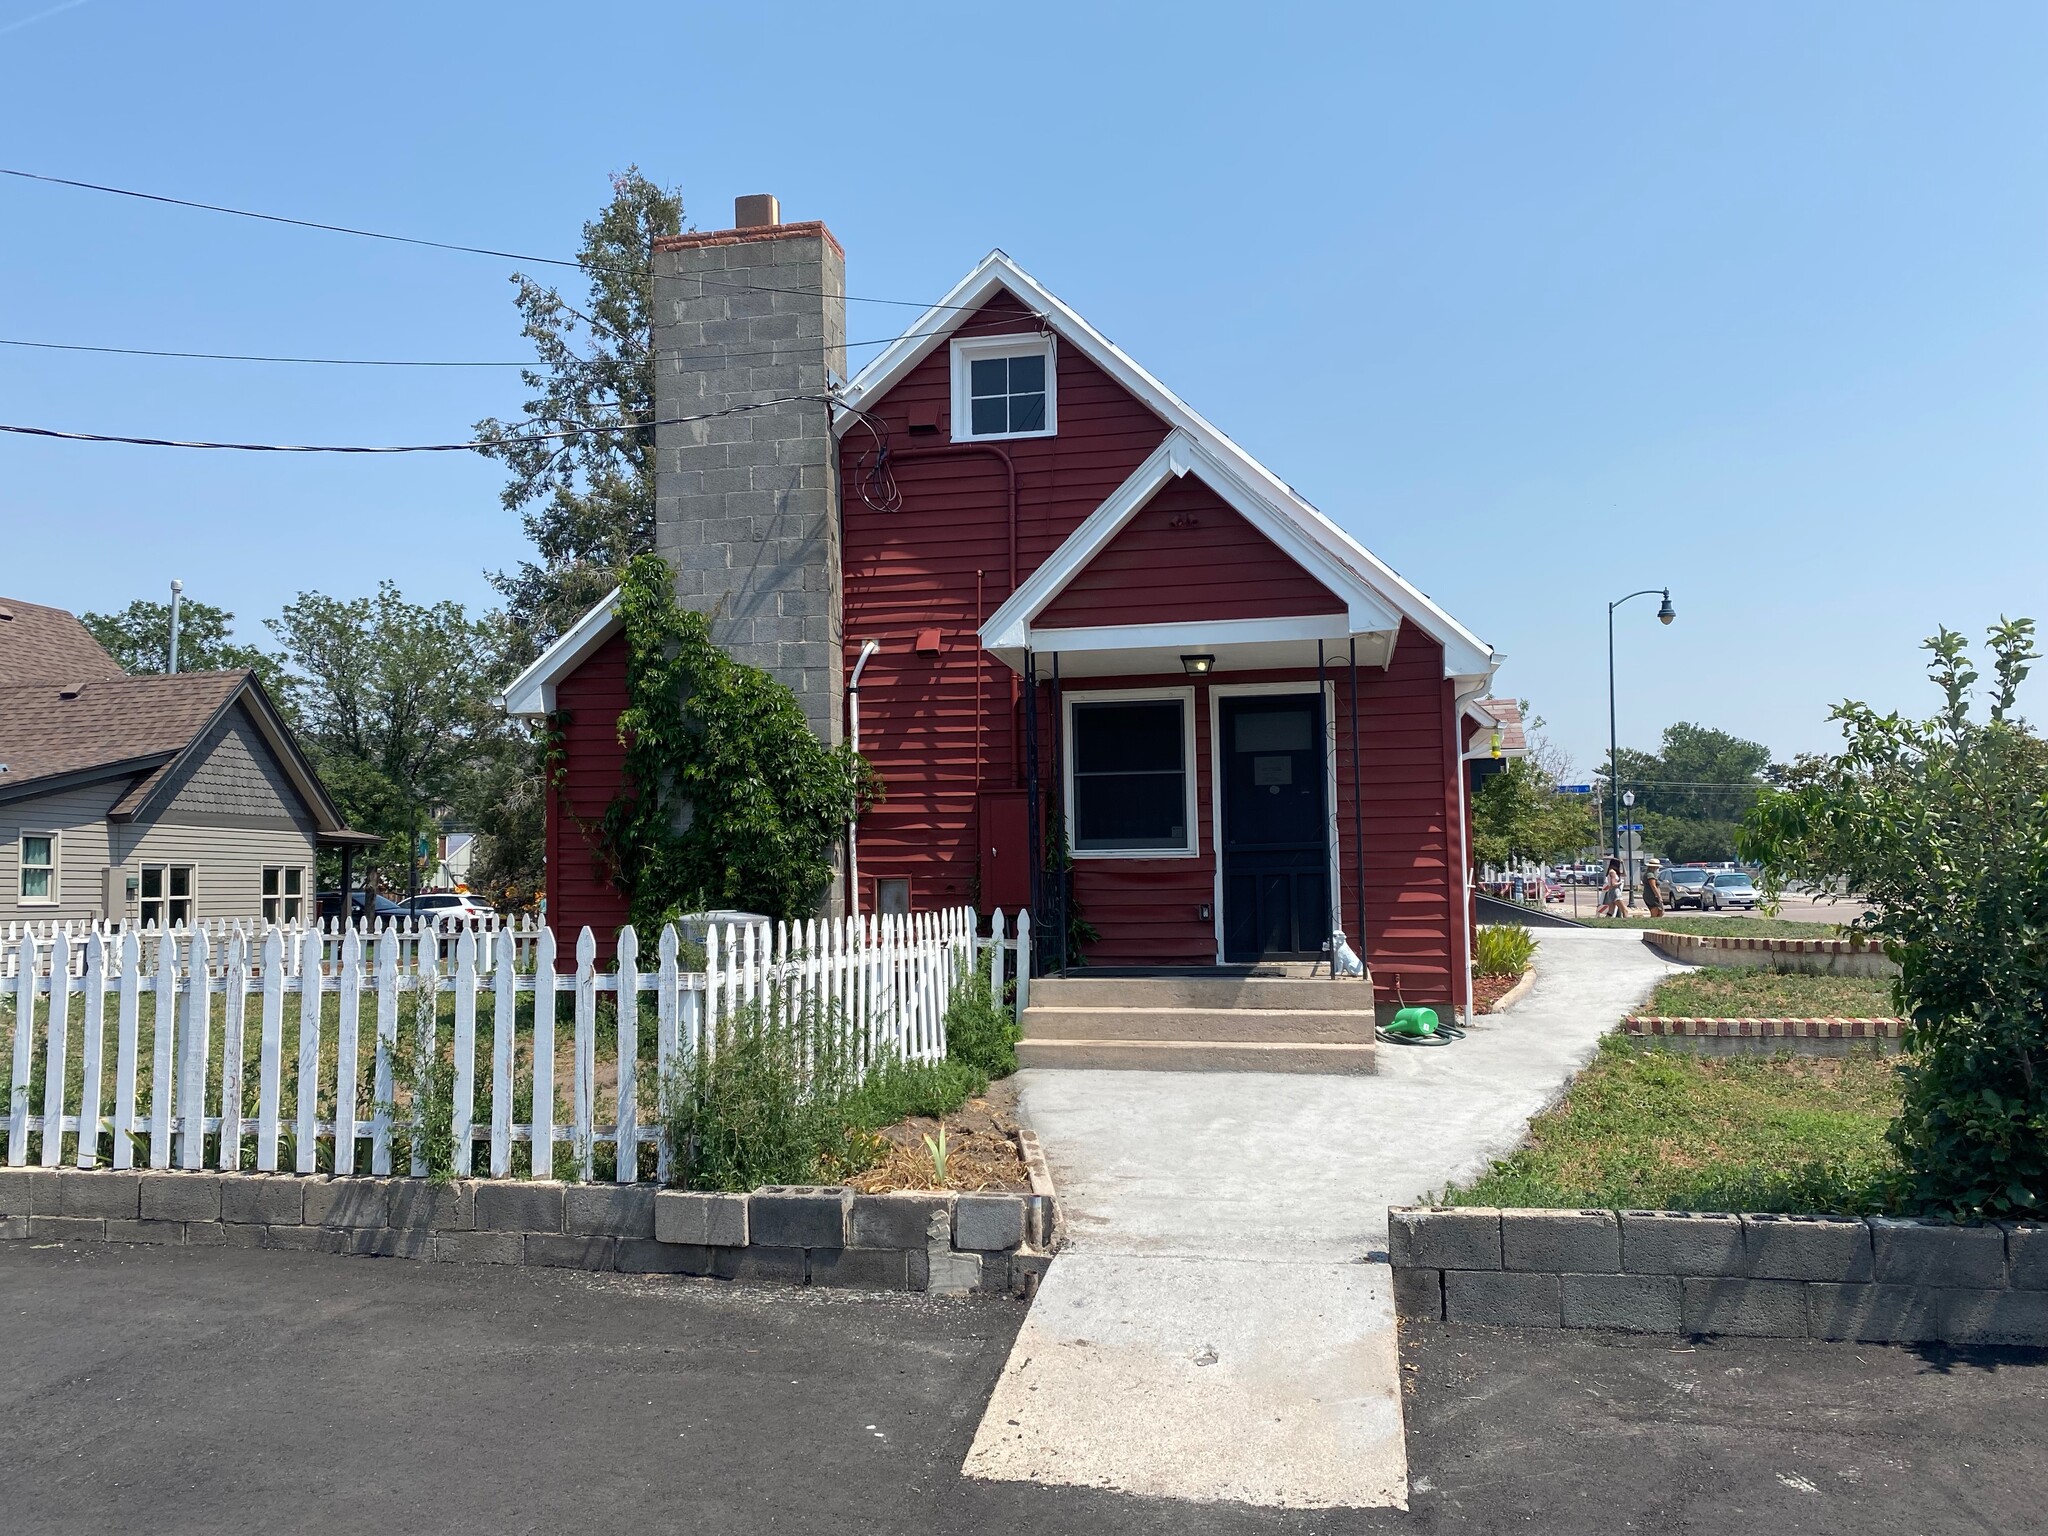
[[1062, 880], [1357, 808], [348, 876], [1032, 833]]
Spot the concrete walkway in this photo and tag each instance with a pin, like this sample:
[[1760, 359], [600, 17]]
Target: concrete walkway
[[1220, 1324]]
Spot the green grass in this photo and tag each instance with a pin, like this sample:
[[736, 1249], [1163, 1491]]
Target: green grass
[[1720, 927], [1662, 1130], [1727, 993]]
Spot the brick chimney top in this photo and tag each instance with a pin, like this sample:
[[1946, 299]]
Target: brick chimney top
[[756, 210]]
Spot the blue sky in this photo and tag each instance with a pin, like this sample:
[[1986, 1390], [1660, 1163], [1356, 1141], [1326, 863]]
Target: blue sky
[[1543, 302]]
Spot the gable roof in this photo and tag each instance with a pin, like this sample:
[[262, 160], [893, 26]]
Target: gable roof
[[48, 645], [532, 692], [145, 728], [1465, 654]]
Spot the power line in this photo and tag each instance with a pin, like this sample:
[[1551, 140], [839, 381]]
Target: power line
[[806, 347], [475, 444], [438, 245]]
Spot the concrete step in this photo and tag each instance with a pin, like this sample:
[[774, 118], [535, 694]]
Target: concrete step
[[1306, 1026], [1198, 1056], [1202, 992]]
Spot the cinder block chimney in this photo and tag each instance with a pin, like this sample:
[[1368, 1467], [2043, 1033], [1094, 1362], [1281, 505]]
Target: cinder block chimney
[[746, 504]]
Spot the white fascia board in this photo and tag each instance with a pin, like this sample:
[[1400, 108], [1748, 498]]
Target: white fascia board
[[1196, 633], [1465, 654], [532, 692]]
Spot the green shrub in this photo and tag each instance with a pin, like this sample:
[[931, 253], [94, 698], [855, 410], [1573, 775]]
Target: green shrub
[[896, 1090], [1503, 949], [980, 1031]]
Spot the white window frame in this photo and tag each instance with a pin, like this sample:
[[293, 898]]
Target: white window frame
[[265, 900], [1218, 692], [56, 868], [165, 898], [968, 348], [1190, 768]]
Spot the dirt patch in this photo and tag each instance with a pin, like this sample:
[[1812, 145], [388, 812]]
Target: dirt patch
[[1488, 990], [981, 1149]]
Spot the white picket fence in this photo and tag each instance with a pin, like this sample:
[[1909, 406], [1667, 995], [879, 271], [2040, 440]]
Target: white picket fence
[[889, 978], [524, 928]]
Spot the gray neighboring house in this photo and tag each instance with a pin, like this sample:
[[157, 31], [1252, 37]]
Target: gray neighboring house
[[154, 799]]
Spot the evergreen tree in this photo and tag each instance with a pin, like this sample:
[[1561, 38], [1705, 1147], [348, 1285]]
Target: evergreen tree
[[587, 499]]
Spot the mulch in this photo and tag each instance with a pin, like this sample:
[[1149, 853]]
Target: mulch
[[1488, 990], [982, 1150]]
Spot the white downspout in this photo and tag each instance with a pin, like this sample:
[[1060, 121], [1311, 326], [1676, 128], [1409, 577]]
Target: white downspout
[[1465, 701], [867, 650]]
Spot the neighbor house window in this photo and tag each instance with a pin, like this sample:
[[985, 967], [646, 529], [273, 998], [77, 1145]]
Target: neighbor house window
[[166, 896], [1130, 776], [39, 869], [284, 893], [1003, 386]]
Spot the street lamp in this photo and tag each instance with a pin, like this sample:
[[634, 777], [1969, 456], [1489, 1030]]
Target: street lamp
[[1665, 614]]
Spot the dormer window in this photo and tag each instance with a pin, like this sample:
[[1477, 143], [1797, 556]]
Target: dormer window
[[1003, 386]]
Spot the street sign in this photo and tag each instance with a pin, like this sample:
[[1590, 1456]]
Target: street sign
[[1631, 826], [1575, 789]]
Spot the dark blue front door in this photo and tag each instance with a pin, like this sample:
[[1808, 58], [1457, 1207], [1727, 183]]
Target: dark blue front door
[[1276, 830]]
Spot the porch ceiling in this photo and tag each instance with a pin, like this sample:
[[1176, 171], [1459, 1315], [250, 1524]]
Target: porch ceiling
[[1143, 650]]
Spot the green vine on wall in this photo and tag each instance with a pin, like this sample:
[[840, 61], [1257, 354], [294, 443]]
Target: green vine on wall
[[730, 800]]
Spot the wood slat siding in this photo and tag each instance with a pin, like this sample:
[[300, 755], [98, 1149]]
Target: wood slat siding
[[588, 703], [1188, 554]]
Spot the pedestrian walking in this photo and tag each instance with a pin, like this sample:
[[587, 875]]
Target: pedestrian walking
[[1612, 902]]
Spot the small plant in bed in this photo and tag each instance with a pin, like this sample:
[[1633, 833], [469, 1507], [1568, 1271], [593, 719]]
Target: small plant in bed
[[1662, 1130], [1503, 949]]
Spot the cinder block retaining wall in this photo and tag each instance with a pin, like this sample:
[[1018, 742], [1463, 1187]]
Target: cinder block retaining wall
[[1813, 957], [943, 1243], [1819, 1277], [1766, 1037]]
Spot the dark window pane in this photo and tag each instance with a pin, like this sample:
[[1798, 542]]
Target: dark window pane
[[1130, 810], [988, 376], [1027, 413], [1027, 374], [1274, 731], [991, 416], [1128, 738], [181, 880], [153, 880]]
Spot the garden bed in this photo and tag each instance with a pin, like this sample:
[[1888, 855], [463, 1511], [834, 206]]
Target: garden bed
[[1487, 991], [1654, 1129], [1759, 994], [984, 1150], [1720, 926]]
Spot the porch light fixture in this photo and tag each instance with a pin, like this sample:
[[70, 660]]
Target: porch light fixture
[[1198, 666]]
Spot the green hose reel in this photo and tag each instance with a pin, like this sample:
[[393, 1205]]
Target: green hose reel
[[1413, 1023]]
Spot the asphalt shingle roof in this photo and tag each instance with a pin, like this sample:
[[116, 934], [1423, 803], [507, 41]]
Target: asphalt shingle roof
[[48, 645], [50, 730]]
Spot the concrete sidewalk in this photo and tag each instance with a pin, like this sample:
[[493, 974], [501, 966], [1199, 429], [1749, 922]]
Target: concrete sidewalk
[[1221, 1324]]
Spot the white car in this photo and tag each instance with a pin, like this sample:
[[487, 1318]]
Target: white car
[[448, 908], [1730, 888]]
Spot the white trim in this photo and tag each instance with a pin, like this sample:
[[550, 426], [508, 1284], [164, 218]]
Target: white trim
[[1197, 633], [1190, 769], [532, 692], [1217, 692], [1015, 344], [1367, 610], [55, 866], [1465, 654]]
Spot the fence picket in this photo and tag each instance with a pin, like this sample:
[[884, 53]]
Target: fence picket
[[92, 1068], [24, 1044], [306, 1137], [462, 1119], [195, 1040], [164, 1033], [270, 1052], [627, 1161], [584, 1068], [234, 1013], [388, 945], [1023, 965], [55, 1054], [667, 1022], [348, 1052], [126, 1030], [544, 988], [504, 1032]]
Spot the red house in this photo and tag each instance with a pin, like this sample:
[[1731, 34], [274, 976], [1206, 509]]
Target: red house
[[1104, 661]]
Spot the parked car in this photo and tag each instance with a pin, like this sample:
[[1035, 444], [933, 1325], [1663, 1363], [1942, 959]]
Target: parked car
[[448, 908], [368, 907], [1731, 888], [1682, 887]]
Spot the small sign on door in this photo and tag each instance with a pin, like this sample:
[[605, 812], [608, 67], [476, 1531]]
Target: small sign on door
[[1275, 770]]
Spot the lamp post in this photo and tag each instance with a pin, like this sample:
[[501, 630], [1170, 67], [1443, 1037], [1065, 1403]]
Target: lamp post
[[1665, 614]]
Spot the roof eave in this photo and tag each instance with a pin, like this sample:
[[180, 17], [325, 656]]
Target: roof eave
[[532, 693]]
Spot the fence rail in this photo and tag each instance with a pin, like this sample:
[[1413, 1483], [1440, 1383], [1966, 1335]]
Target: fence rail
[[255, 1041]]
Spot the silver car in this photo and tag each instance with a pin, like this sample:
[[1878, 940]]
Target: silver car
[[1730, 888], [1683, 887]]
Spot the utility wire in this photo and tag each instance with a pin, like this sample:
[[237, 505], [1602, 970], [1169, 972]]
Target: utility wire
[[806, 347], [437, 245], [474, 445]]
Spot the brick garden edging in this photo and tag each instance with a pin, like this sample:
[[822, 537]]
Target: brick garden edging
[[1875, 1280], [1812, 957], [940, 1242], [1741, 1037]]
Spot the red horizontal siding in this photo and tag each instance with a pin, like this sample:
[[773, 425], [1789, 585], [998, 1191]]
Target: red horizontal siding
[[1187, 555], [588, 703]]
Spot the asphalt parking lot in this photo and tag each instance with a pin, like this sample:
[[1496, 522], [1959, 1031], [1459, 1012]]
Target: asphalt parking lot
[[227, 1391]]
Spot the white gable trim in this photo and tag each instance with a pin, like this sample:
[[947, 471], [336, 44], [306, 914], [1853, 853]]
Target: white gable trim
[[1011, 626], [1465, 654], [532, 692]]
